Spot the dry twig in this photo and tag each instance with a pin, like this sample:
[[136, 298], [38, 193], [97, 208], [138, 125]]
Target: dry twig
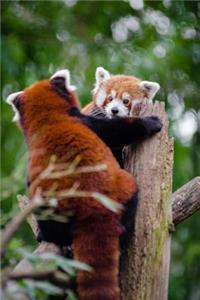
[[52, 275], [14, 224]]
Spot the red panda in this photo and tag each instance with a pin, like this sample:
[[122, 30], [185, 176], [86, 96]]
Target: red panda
[[48, 113], [119, 96]]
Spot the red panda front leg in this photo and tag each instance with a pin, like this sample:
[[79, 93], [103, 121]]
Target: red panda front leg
[[119, 132], [96, 242]]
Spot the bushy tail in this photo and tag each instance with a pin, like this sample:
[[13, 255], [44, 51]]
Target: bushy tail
[[96, 242]]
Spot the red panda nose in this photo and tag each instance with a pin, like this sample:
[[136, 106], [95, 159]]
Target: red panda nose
[[114, 110]]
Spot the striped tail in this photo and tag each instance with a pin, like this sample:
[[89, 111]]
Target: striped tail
[[96, 242]]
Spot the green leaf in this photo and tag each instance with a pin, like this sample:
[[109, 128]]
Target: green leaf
[[68, 265], [47, 287], [107, 202], [71, 295]]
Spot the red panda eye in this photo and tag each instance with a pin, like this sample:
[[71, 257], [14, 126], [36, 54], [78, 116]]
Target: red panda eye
[[110, 98], [126, 101]]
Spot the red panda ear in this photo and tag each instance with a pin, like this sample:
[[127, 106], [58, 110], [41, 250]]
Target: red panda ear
[[150, 88], [101, 75], [61, 80], [14, 100]]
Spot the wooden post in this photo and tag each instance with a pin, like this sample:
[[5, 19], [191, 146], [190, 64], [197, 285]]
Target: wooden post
[[145, 262]]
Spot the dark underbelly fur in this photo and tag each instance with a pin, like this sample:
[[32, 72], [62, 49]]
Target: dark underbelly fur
[[56, 232], [117, 152]]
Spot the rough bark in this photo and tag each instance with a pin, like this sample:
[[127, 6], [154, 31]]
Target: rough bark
[[186, 201], [145, 263]]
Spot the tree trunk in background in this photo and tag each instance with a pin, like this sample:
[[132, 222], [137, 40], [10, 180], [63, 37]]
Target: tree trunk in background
[[145, 263]]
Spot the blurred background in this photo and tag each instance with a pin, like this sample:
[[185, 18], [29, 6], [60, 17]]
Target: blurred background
[[154, 40]]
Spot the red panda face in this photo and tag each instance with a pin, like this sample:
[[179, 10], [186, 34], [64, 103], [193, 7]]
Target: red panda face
[[120, 95], [116, 105], [55, 94]]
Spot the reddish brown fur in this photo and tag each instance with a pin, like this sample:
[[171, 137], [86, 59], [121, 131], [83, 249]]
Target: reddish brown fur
[[121, 84], [49, 130]]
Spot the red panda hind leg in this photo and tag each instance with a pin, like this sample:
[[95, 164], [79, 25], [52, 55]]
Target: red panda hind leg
[[96, 242]]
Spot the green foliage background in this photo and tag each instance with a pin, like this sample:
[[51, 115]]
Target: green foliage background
[[159, 43]]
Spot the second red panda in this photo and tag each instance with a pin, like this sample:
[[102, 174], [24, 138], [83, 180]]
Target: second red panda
[[119, 96]]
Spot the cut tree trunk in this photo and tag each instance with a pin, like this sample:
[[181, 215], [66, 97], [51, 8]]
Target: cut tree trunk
[[145, 262]]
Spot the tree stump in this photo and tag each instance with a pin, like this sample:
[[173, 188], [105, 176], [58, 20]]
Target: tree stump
[[145, 262]]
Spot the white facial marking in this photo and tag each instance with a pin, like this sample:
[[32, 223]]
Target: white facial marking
[[66, 75], [100, 97], [126, 95], [123, 111], [113, 93], [150, 88], [136, 102], [10, 100]]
